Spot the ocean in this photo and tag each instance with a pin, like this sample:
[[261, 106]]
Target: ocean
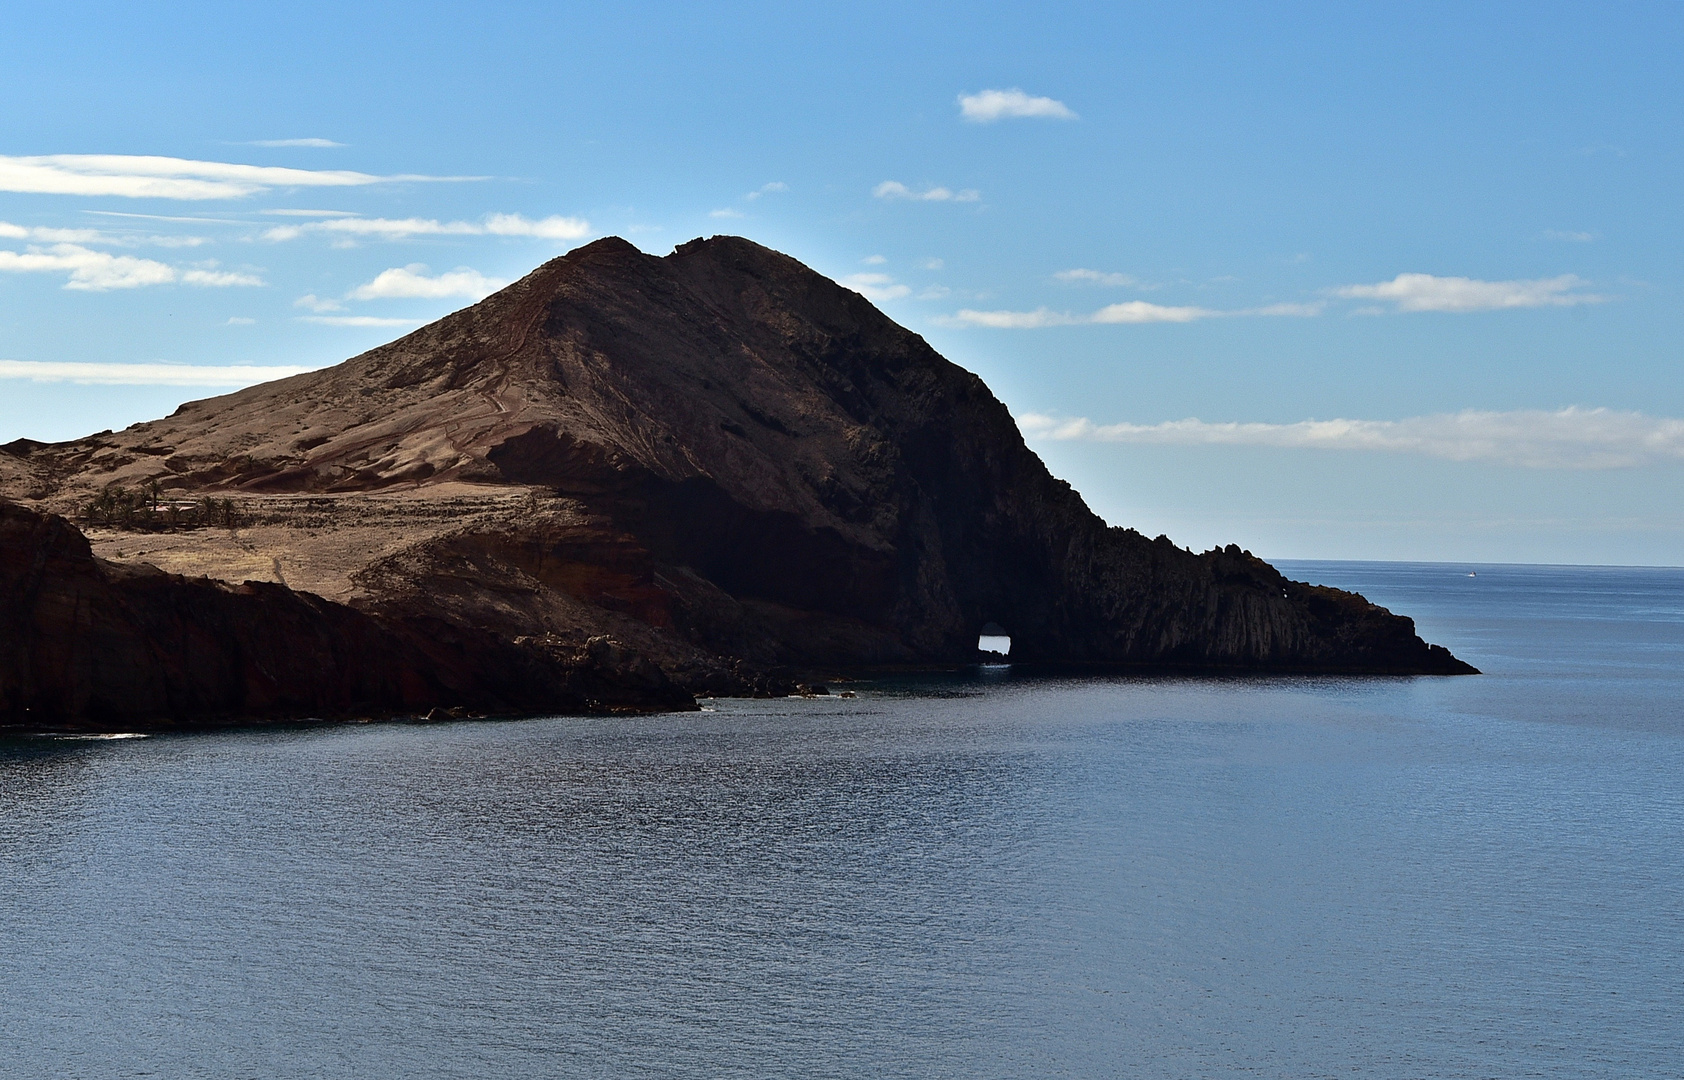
[[990, 874]]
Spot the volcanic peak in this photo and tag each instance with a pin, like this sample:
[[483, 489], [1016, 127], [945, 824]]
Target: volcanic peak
[[719, 458]]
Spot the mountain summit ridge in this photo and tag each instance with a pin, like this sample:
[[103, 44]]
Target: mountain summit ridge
[[719, 458]]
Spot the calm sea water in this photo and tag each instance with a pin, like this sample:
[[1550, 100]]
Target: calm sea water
[[988, 876]]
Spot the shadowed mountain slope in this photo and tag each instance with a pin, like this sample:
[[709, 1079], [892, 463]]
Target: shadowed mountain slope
[[723, 459]]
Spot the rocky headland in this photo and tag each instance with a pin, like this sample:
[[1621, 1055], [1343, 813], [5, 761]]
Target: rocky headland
[[620, 482]]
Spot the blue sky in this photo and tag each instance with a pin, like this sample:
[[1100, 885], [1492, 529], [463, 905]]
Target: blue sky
[[1328, 281]]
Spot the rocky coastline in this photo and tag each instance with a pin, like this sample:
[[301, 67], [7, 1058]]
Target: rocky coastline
[[620, 482]]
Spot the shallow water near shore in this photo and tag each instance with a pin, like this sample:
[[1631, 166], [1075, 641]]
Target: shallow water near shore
[[988, 875]]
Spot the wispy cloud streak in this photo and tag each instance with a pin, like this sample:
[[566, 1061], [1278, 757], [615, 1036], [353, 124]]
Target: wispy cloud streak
[[144, 374], [1425, 292], [1571, 438], [894, 189], [150, 177], [875, 287], [52, 235], [99, 271], [1405, 293], [1097, 277], [320, 144], [1130, 311], [358, 320], [555, 227]]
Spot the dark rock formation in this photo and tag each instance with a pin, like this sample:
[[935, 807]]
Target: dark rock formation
[[91, 645], [735, 466]]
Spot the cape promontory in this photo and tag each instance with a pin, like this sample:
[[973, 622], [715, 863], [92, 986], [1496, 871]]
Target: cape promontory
[[619, 481]]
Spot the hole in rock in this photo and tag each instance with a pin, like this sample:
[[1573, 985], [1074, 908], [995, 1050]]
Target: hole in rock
[[994, 639]]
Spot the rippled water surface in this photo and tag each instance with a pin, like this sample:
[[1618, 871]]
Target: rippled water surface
[[984, 876]]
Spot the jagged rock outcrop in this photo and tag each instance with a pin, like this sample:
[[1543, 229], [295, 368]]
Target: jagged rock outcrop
[[724, 460]]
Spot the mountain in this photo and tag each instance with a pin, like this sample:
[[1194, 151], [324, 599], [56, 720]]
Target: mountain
[[722, 461]]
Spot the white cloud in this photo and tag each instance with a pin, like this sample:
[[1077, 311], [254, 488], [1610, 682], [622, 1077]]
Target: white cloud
[[1424, 292], [932, 264], [874, 260], [318, 143], [412, 282], [554, 227], [98, 271], [240, 320], [384, 228], [875, 287], [1139, 311], [766, 189], [1571, 237], [9, 231], [1132, 311], [408, 282], [1016, 320], [151, 177], [550, 228], [1097, 277], [991, 105], [358, 320], [144, 374], [894, 189], [311, 213], [1571, 438], [219, 278], [90, 271], [725, 213], [50, 235]]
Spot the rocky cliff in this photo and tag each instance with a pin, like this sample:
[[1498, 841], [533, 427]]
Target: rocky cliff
[[93, 645], [724, 461]]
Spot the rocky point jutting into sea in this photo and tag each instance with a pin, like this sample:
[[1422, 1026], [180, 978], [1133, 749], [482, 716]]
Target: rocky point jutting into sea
[[620, 482]]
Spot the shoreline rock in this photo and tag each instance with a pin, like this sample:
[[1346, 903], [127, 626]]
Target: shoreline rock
[[88, 645]]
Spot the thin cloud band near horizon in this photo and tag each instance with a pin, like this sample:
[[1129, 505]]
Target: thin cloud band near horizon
[[124, 374], [1407, 293], [1571, 438]]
